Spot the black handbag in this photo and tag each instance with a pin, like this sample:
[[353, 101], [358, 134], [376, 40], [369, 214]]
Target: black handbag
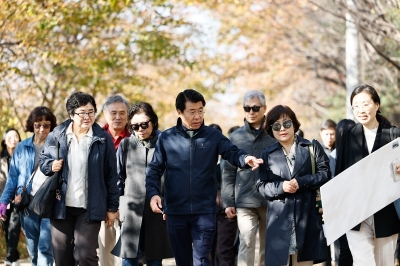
[[43, 201], [21, 202]]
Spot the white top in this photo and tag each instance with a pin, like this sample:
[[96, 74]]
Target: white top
[[78, 153], [370, 135], [38, 176], [37, 181]]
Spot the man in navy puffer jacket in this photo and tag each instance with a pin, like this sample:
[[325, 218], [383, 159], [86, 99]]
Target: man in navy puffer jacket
[[187, 155]]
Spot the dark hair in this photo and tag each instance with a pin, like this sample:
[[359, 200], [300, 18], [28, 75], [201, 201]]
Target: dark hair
[[145, 108], [369, 90], [188, 96], [4, 152], [328, 123], [217, 127], [38, 114], [78, 99], [300, 133], [277, 112], [343, 125], [232, 129]]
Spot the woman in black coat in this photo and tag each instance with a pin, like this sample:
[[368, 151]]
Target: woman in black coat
[[372, 242], [294, 226]]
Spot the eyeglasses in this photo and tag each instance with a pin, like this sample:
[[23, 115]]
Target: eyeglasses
[[364, 106], [286, 124], [254, 108], [45, 126], [193, 112], [143, 125], [83, 115]]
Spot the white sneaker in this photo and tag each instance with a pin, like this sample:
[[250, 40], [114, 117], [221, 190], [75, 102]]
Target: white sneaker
[[16, 263], [7, 263]]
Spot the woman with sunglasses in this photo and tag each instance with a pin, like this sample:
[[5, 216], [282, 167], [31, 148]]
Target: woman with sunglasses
[[24, 172], [373, 241], [294, 232], [88, 193], [142, 231]]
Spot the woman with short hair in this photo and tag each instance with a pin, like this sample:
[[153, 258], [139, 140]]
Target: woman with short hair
[[24, 172], [88, 192], [294, 234], [142, 231]]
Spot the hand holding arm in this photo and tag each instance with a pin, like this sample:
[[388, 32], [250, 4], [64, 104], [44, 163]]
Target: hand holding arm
[[288, 187]]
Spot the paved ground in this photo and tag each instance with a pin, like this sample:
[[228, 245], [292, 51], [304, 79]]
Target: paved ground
[[166, 262]]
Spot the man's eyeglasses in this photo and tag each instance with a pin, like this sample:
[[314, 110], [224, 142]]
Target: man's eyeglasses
[[143, 125], [45, 126], [83, 115], [286, 124], [254, 108], [193, 112]]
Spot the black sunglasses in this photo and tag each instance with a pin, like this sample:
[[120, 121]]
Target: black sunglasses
[[254, 108], [143, 125], [286, 124]]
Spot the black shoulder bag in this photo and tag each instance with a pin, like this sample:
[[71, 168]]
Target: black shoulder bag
[[42, 202]]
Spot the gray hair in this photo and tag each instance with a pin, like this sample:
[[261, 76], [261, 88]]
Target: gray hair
[[116, 99], [254, 93]]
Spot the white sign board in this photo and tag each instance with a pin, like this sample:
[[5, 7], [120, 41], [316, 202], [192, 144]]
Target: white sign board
[[360, 191]]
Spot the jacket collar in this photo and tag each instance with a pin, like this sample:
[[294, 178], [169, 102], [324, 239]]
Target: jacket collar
[[61, 129], [250, 129], [302, 154]]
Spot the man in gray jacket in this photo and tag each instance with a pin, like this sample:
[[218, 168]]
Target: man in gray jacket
[[239, 195]]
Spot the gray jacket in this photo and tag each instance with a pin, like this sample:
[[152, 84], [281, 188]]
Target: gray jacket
[[134, 207], [239, 185]]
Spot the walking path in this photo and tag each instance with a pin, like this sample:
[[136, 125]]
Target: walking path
[[166, 262]]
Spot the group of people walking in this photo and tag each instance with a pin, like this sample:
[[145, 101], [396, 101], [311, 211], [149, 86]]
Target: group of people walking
[[129, 191]]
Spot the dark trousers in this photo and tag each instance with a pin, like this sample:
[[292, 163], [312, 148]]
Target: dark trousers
[[187, 230], [74, 239], [345, 257], [12, 229], [224, 249], [336, 246]]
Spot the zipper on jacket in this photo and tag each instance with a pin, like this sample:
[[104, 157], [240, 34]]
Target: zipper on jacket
[[190, 175], [94, 139]]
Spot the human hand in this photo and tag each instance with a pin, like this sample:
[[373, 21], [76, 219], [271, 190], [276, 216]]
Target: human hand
[[253, 162], [294, 183], [398, 168], [57, 165], [156, 204], [117, 218], [230, 212], [3, 209], [289, 187], [110, 219]]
